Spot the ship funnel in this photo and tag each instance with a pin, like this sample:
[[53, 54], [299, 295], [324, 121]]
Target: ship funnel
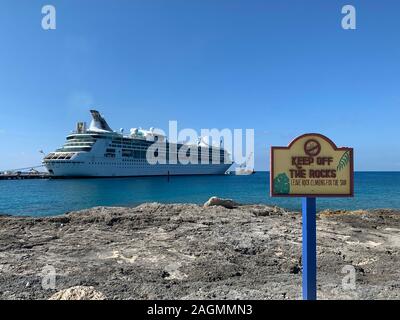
[[98, 122]]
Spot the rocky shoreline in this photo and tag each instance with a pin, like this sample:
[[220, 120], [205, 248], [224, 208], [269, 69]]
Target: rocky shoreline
[[185, 251]]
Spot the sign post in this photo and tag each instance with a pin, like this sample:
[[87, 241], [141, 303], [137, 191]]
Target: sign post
[[311, 166], [309, 258]]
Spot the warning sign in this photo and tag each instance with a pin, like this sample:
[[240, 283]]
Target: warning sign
[[311, 165]]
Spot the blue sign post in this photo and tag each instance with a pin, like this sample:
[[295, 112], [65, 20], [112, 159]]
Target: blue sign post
[[311, 166], [309, 210]]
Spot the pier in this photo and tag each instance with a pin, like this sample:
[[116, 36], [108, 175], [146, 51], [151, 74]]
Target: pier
[[24, 173], [24, 176]]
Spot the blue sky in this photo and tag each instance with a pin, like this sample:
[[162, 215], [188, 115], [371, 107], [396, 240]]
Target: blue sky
[[281, 67]]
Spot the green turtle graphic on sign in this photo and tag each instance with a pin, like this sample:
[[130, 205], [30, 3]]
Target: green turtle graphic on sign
[[281, 184]]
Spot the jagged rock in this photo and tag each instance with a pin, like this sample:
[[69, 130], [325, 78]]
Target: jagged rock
[[78, 293], [226, 203], [188, 251]]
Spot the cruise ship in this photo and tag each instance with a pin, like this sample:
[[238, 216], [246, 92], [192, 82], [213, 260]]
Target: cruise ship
[[98, 151]]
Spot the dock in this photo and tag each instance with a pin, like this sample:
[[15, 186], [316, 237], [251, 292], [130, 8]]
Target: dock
[[24, 176]]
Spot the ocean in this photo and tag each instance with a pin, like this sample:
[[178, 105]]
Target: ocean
[[53, 197]]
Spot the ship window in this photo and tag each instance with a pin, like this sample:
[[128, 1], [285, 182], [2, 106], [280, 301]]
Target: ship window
[[109, 155], [127, 153], [69, 149]]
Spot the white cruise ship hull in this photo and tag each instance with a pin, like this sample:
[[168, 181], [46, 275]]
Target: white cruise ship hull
[[112, 169]]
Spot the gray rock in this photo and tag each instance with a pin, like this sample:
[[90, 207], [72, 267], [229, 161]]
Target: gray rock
[[187, 251]]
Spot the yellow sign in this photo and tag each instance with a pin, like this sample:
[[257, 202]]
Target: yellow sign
[[312, 166]]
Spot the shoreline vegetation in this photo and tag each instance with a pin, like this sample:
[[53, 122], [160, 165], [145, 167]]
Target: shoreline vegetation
[[222, 250]]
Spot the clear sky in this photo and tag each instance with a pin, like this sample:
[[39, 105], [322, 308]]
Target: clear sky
[[281, 67]]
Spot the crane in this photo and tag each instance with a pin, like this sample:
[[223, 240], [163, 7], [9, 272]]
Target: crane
[[244, 164]]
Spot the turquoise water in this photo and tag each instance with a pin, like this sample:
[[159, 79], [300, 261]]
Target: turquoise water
[[52, 197]]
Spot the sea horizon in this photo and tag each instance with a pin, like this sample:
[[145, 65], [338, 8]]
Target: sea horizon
[[373, 190]]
